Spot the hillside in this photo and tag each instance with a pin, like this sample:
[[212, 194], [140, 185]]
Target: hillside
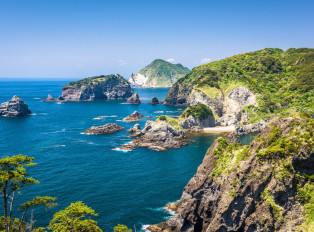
[[265, 186], [278, 83], [158, 73]]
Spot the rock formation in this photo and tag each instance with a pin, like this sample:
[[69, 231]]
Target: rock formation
[[159, 136], [95, 88], [104, 129], [257, 187], [155, 101], [14, 108], [159, 73], [134, 117], [134, 99]]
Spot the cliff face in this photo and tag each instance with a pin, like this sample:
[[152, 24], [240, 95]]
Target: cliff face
[[159, 73], [265, 83], [100, 87], [265, 186]]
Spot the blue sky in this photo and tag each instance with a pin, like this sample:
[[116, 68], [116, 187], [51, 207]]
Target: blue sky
[[76, 39]]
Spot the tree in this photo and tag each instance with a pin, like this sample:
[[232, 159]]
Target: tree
[[47, 201], [13, 177], [73, 219], [121, 228]]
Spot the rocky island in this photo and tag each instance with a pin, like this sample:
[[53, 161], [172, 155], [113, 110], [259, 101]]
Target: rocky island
[[105, 129], [134, 117], [158, 136], [14, 108], [265, 186], [95, 88], [134, 99], [158, 73]]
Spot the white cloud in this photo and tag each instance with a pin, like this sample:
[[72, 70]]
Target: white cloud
[[205, 60], [122, 62], [171, 60]]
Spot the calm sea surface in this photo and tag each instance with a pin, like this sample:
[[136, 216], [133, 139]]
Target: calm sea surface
[[123, 187]]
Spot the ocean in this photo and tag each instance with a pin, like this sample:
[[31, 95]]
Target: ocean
[[128, 188]]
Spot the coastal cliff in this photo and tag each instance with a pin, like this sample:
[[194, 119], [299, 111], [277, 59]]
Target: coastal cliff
[[158, 73], [251, 87], [265, 186], [95, 88]]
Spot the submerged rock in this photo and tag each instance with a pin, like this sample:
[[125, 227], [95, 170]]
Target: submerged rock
[[134, 117], [105, 129], [14, 108], [249, 188], [159, 136], [134, 99]]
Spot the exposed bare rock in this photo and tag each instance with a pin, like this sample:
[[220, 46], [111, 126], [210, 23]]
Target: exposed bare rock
[[134, 117], [14, 108], [250, 128], [249, 188], [105, 129], [52, 99], [195, 124], [127, 147], [154, 101], [135, 128], [159, 136], [134, 99]]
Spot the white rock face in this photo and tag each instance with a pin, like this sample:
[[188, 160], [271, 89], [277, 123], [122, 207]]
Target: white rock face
[[138, 79]]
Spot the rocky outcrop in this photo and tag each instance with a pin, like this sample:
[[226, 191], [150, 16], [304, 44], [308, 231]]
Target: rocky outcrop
[[134, 99], [196, 124], [159, 136], [14, 108], [136, 128], [250, 128], [134, 117], [52, 99], [154, 101], [105, 129], [249, 188], [95, 88]]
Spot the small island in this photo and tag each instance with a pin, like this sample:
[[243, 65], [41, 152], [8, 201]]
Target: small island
[[105, 129], [14, 108], [101, 87]]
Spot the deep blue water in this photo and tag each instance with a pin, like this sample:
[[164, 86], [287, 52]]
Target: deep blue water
[[123, 187]]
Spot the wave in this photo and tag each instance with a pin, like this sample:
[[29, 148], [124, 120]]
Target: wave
[[62, 145], [105, 116], [144, 228], [36, 98]]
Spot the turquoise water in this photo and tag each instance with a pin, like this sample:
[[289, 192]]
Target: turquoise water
[[123, 187]]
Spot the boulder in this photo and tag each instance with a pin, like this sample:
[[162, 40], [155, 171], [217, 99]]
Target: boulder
[[14, 108], [134, 117], [104, 129], [135, 128], [134, 99]]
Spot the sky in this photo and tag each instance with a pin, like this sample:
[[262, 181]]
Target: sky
[[82, 38]]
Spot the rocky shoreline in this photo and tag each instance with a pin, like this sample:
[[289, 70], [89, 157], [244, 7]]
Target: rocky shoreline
[[104, 129]]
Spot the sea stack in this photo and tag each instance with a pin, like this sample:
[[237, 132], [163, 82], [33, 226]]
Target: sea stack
[[155, 101], [14, 108], [134, 117], [134, 99]]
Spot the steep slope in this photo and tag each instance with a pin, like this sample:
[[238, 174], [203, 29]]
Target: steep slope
[[95, 88], [271, 81], [265, 186], [158, 73]]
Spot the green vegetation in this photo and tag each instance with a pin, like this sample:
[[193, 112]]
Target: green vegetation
[[281, 145], [198, 111], [96, 80], [172, 121], [121, 228], [228, 157], [282, 80], [276, 209], [163, 73], [73, 218]]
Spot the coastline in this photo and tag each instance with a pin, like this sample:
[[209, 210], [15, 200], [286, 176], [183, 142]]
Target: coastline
[[218, 129]]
